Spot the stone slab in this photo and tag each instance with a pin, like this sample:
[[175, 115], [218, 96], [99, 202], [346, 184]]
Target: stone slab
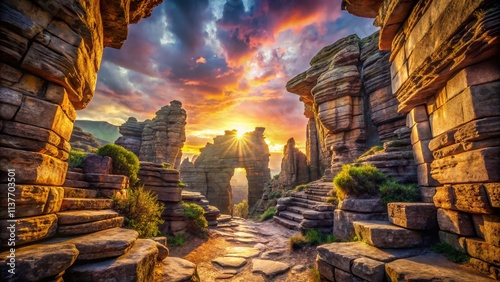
[[383, 234], [28, 229], [430, 267], [343, 228], [340, 255], [175, 270], [86, 204], [135, 265], [242, 252], [492, 229], [362, 205], [269, 268], [480, 249], [38, 262], [231, 262], [419, 216], [471, 198], [89, 227], [456, 222], [369, 269]]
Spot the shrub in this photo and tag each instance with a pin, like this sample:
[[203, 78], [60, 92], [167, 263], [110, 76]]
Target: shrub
[[276, 177], [450, 252], [358, 180], [297, 241], [182, 184], [312, 237], [196, 221], [392, 191], [268, 214], [142, 211], [372, 151], [300, 187], [275, 195], [76, 158], [124, 161], [179, 240], [241, 209]]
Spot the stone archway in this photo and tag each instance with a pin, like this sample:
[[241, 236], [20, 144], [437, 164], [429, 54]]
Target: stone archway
[[212, 171]]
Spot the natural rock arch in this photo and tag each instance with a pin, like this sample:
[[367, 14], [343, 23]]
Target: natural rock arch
[[211, 172]]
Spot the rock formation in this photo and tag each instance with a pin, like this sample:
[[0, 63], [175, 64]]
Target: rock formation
[[83, 141], [159, 140], [446, 82], [210, 174], [348, 100], [50, 54], [294, 170]]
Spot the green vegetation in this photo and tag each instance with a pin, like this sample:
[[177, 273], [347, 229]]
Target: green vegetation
[[179, 240], [166, 165], [450, 252], [312, 237], [358, 180], [300, 187], [241, 209], [275, 195], [182, 184], [315, 277], [124, 161], [76, 158], [276, 176], [372, 151], [393, 191], [268, 214], [196, 221], [142, 211]]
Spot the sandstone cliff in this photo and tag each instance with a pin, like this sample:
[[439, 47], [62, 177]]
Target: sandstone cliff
[[347, 97], [159, 140]]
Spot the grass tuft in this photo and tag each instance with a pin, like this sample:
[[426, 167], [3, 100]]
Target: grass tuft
[[450, 253]]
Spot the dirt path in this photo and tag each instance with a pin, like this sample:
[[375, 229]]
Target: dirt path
[[243, 250]]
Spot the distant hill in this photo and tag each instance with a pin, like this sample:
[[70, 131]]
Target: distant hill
[[102, 130]]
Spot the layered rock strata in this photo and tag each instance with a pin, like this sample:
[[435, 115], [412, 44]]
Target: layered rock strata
[[444, 76], [159, 140], [211, 212], [349, 103], [165, 184], [294, 170], [83, 141], [210, 173]]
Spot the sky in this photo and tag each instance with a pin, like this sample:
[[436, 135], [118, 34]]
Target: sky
[[227, 61]]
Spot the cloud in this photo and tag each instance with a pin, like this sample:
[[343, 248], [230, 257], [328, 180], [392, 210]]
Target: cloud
[[227, 61]]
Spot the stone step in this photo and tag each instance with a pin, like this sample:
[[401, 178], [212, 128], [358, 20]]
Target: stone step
[[297, 209], [174, 269], [317, 192], [383, 234], [290, 224], [103, 244], [137, 264], [430, 267], [86, 204], [306, 201], [89, 227], [312, 197], [420, 216], [70, 192], [82, 216], [291, 216]]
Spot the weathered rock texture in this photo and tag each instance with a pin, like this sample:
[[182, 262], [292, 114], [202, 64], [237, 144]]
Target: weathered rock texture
[[294, 170], [211, 172], [83, 141], [446, 80], [159, 140], [50, 54], [349, 103]]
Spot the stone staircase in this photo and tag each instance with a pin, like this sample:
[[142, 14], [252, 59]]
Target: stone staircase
[[211, 212], [394, 250], [307, 209]]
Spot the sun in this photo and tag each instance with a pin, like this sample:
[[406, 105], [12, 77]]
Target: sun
[[240, 134]]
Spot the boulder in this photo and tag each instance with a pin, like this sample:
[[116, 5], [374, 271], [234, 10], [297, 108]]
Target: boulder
[[97, 164], [419, 216], [137, 264], [39, 261]]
